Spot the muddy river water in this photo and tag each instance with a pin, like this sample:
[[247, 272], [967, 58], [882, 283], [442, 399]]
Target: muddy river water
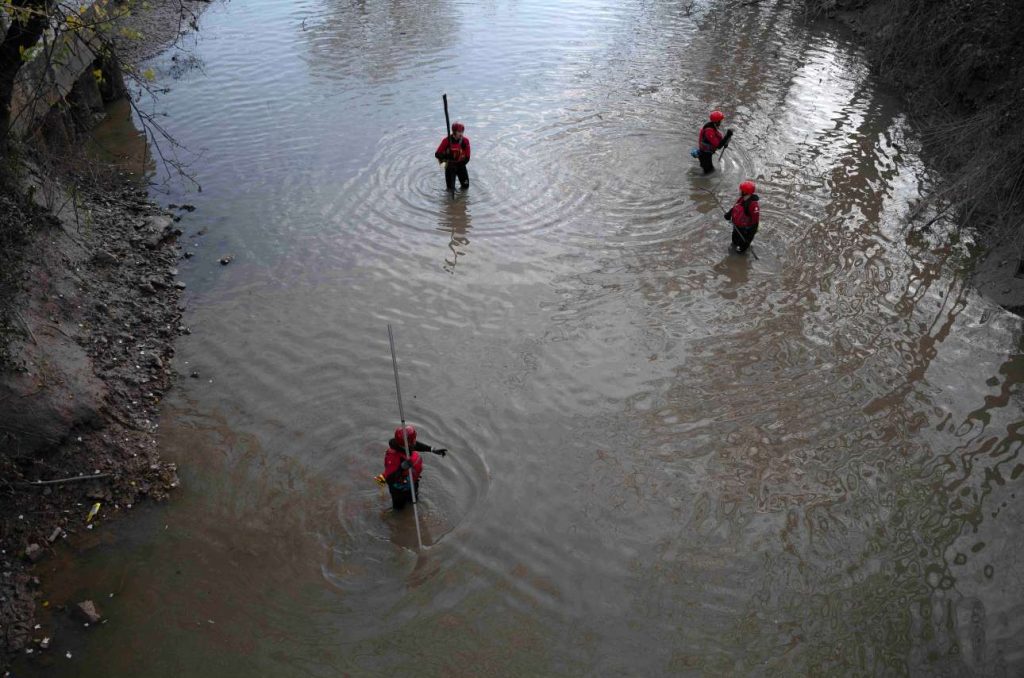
[[664, 458]]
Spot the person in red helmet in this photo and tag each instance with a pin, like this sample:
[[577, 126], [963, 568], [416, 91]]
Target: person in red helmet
[[745, 216], [454, 153], [710, 140], [401, 461]]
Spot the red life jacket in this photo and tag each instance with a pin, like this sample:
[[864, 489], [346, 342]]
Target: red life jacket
[[746, 213], [709, 138], [393, 459], [459, 149]]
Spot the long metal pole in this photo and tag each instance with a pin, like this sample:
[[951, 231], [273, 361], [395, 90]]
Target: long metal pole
[[447, 124], [448, 155], [721, 155], [405, 439]]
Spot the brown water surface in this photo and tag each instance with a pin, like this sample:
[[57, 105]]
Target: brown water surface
[[665, 458]]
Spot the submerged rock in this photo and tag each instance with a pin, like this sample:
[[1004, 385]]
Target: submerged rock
[[33, 552], [87, 611]]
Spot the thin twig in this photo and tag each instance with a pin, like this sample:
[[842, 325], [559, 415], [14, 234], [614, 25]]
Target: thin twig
[[61, 481], [27, 328]]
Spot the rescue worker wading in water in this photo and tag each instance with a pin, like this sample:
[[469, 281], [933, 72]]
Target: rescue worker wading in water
[[710, 140], [397, 465], [745, 216], [454, 151]]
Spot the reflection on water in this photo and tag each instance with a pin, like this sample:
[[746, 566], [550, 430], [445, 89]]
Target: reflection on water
[[664, 458], [456, 221], [116, 143], [379, 43], [736, 269]]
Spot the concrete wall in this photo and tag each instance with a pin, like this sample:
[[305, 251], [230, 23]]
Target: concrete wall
[[61, 73]]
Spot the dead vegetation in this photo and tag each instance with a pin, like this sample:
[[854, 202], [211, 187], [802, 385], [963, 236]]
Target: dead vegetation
[[18, 219], [958, 64]]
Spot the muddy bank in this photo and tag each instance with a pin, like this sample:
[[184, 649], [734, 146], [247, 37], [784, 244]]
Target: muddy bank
[[959, 69], [98, 307], [89, 302], [160, 26]]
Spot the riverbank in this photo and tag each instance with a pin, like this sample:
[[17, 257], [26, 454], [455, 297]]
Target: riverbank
[[80, 392], [89, 317], [963, 84]]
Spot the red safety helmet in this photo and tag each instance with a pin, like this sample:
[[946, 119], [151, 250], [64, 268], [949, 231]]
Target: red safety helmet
[[458, 127], [747, 187], [401, 434], [717, 116]]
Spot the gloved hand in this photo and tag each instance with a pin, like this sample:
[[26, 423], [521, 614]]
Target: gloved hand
[[405, 464], [441, 451], [728, 215]]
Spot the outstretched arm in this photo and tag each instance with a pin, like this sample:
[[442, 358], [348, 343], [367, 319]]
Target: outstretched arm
[[420, 447]]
